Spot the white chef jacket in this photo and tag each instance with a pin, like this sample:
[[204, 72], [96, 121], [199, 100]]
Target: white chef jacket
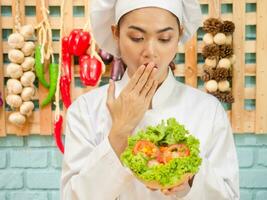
[[92, 171]]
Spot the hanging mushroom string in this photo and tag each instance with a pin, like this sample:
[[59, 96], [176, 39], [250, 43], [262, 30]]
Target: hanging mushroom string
[[20, 70], [219, 58]]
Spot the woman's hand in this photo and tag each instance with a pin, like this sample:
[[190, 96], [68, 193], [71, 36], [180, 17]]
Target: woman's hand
[[181, 189], [129, 108]]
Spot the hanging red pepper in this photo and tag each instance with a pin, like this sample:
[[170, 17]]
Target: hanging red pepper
[[66, 58], [57, 134], [79, 41], [65, 91], [1, 100], [90, 70]]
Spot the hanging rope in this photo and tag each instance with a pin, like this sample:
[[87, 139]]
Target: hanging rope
[[93, 52], [45, 35], [17, 16], [57, 110]]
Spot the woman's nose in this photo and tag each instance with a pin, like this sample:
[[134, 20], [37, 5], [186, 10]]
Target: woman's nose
[[149, 50]]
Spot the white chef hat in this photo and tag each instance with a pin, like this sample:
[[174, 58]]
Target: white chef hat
[[104, 13]]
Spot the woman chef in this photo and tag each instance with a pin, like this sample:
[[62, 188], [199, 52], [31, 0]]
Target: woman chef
[[145, 35]]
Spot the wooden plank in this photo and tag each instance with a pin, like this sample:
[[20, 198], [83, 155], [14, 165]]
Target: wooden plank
[[249, 121], [261, 100], [191, 62], [2, 108], [46, 112], [238, 68], [215, 8]]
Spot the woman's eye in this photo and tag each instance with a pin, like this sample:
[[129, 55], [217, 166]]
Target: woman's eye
[[137, 39], [164, 40]]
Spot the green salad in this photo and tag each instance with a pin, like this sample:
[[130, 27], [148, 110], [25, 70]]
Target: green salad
[[162, 153]]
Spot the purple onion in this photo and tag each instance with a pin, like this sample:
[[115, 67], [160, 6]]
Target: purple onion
[[117, 70], [1, 100], [106, 57]]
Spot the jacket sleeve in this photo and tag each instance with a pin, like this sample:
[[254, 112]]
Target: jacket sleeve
[[218, 176], [90, 169]]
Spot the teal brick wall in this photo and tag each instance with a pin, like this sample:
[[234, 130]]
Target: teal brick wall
[[30, 167]]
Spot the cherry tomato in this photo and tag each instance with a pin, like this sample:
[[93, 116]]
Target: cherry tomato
[[146, 147]]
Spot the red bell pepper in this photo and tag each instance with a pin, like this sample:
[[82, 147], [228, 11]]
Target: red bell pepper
[[65, 91], [66, 58], [90, 70], [79, 41], [57, 134]]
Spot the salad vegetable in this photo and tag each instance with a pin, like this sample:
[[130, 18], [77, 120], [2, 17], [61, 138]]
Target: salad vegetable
[[162, 154]]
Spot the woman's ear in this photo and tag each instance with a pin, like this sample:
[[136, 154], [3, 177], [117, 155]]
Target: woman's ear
[[115, 32], [181, 32]]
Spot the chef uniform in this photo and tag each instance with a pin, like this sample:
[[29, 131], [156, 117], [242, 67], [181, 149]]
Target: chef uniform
[[92, 171]]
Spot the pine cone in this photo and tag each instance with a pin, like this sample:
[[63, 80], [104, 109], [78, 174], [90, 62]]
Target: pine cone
[[206, 76], [211, 51], [225, 51], [225, 97], [228, 27], [221, 74], [212, 25], [207, 68]]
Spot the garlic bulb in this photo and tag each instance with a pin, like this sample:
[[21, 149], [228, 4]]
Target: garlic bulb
[[211, 62], [16, 56], [229, 39], [17, 118], [27, 93], [13, 100], [211, 86], [233, 59], [224, 86], [28, 64], [16, 40], [224, 63], [27, 79], [14, 70], [27, 31], [28, 48], [220, 38], [14, 86], [208, 38], [26, 108]]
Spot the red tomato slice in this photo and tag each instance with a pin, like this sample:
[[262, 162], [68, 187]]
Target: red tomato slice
[[146, 147]]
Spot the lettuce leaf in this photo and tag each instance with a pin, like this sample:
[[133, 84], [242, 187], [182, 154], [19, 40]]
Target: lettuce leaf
[[163, 134]]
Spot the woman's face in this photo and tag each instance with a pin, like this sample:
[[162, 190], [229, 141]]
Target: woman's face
[[145, 35]]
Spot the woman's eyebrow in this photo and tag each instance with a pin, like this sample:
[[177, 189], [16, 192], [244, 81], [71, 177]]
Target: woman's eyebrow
[[143, 31]]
